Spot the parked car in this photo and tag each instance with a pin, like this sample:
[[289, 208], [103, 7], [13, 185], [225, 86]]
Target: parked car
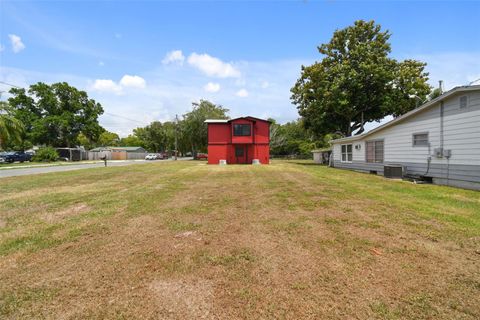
[[201, 156], [2, 159], [151, 156], [162, 155], [13, 156]]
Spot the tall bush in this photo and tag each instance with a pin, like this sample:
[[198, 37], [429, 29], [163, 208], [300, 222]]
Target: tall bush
[[46, 154]]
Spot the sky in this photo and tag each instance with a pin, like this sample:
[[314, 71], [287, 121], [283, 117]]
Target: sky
[[149, 60]]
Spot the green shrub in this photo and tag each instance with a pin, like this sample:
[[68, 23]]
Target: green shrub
[[46, 154]]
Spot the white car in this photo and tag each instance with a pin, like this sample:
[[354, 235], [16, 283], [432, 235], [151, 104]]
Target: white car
[[151, 156]]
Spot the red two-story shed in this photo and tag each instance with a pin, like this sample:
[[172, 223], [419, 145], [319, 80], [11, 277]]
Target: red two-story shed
[[239, 140]]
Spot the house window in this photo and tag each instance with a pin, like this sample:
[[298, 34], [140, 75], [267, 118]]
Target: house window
[[346, 153], [420, 139], [239, 151], [374, 151], [463, 102], [242, 130]]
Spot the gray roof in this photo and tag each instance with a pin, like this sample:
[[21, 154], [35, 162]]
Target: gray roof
[[410, 113], [128, 149], [322, 150]]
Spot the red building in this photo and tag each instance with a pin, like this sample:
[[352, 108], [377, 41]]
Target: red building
[[239, 140]]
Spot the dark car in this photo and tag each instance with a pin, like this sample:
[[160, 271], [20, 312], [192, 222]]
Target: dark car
[[16, 156]]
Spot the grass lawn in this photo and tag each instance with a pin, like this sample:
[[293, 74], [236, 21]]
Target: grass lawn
[[19, 165], [184, 240]]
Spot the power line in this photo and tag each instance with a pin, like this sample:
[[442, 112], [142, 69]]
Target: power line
[[119, 116], [474, 81], [9, 84]]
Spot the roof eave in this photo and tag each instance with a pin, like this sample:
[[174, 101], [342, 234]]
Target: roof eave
[[216, 121]]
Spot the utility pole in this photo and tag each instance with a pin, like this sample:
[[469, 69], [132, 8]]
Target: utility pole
[[176, 138]]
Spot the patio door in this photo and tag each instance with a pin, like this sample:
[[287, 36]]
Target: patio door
[[241, 153]]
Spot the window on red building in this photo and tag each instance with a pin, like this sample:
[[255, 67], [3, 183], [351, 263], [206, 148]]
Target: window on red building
[[242, 130]]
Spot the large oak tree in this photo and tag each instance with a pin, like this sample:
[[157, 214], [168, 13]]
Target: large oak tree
[[357, 82], [193, 127], [56, 114]]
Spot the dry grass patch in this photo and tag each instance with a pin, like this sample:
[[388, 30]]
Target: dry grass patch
[[285, 241]]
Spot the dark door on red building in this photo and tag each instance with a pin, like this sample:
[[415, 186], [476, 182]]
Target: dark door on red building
[[241, 153]]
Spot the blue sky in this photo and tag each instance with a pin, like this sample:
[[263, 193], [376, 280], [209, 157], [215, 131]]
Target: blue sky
[[149, 60]]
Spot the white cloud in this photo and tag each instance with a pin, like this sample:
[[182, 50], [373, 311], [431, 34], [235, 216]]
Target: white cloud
[[265, 84], [101, 63], [212, 87], [17, 44], [175, 56], [110, 86], [242, 93], [212, 66], [171, 91], [107, 85], [133, 82]]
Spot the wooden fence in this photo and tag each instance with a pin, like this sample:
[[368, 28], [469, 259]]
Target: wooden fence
[[116, 155]]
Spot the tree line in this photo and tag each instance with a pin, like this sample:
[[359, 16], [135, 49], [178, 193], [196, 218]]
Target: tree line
[[60, 115], [190, 131]]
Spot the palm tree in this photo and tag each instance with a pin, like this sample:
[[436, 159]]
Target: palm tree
[[11, 129]]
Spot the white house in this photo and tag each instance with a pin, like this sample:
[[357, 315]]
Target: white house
[[440, 141]]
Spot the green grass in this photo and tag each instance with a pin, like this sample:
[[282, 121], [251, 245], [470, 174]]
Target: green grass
[[287, 240], [19, 165]]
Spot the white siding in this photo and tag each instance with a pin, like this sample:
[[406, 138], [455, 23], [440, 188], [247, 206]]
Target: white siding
[[462, 129], [461, 134], [337, 152], [357, 154]]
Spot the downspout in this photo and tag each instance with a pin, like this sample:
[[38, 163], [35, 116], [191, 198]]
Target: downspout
[[442, 111], [441, 124], [429, 159]]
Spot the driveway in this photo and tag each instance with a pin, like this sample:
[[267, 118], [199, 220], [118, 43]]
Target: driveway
[[36, 170]]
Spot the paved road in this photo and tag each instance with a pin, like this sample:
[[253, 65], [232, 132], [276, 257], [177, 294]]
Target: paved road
[[36, 170]]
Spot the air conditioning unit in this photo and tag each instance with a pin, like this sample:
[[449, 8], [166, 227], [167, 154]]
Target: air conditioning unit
[[438, 152], [447, 153], [393, 171]]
